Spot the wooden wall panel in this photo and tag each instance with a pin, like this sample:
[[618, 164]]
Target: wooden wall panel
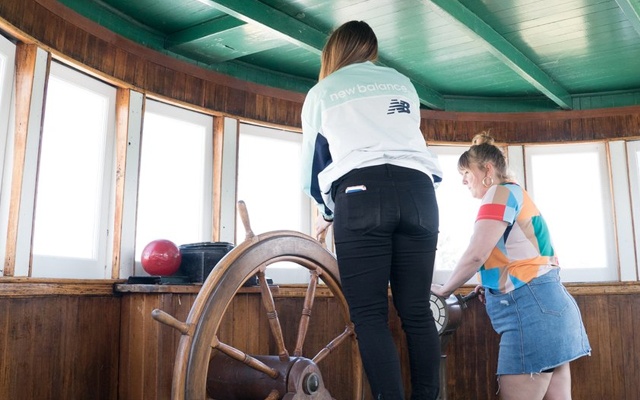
[[109, 347], [64, 347], [514, 128], [471, 353], [148, 348], [612, 323], [471, 356], [326, 324]]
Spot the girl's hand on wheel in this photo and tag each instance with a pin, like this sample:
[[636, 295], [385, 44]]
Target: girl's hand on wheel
[[480, 290], [438, 290], [321, 228]]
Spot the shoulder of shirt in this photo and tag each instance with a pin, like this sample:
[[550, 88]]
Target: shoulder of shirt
[[508, 186], [514, 188]]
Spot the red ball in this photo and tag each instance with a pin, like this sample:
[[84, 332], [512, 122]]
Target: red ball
[[161, 257]]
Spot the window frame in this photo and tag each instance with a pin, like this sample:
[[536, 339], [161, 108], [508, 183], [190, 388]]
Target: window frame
[[177, 113], [7, 110], [633, 148], [621, 264], [609, 272], [99, 266]]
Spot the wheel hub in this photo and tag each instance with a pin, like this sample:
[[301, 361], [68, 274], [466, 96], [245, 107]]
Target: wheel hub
[[298, 378]]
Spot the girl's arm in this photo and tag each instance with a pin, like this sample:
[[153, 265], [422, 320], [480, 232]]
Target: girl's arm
[[486, 233]]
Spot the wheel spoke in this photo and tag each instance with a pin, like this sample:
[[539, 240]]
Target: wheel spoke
[[272, 315], [244, 358], [333, 344], [171, 321], [306, 312]]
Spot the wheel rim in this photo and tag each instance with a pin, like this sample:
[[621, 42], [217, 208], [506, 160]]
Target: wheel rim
[[248, 259]]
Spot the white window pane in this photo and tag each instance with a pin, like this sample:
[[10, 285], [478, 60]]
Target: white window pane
[[570, 186], [174, 195], [69, 203], [7, 57], [269, 180], [458, 209], [269, 184], [3, 68], [634, 176]]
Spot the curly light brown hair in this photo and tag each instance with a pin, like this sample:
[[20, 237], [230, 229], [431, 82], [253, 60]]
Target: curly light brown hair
[[483, 151]]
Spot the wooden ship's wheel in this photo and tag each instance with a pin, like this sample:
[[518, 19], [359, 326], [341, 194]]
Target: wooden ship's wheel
[[207, 368]]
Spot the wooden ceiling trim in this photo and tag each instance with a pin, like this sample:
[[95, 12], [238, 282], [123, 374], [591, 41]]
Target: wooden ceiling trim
[[28, 20], [530, 116], [559, 127], [101, 53], [503, 50]]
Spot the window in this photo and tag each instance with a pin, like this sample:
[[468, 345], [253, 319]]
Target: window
[[634, 179], [74, 177], [269, 183], [175, 184], [7, 54], [7, 57], [570, 185], [458, 210]]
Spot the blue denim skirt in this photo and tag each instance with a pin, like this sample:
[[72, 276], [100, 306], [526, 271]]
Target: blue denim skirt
[[540, 326]]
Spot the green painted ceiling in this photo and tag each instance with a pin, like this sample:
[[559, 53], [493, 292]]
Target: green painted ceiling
[[467, 55]]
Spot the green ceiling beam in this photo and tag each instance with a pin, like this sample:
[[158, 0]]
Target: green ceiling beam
[[631, 10], [203, 30], [428, 96], [256, 12], [503, 50], [300, 34]]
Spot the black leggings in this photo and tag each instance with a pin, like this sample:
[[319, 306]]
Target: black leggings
[[386, 231]]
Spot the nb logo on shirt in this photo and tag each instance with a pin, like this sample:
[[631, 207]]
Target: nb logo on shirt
[[398, 106]]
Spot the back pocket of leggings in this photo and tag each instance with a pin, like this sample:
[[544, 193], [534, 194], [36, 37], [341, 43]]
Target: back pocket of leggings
[[426, 207], [361, 210]]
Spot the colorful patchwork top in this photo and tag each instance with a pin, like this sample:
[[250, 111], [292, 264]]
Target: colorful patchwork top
[[525, 250]]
